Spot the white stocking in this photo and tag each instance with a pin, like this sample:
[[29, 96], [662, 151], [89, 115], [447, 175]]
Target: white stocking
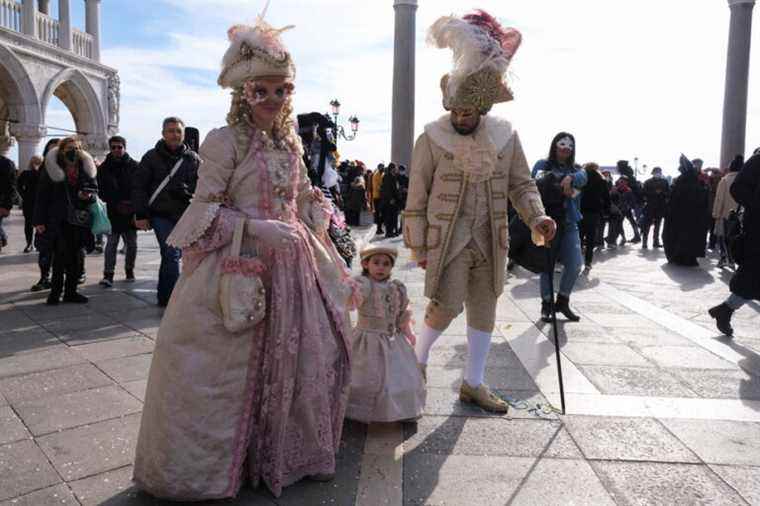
[[478, 344], [425, 341]]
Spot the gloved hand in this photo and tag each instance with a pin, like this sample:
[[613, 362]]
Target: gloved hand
[[272, 233]]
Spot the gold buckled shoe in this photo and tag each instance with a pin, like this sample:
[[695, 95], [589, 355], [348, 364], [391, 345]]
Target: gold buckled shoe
[[482, 397]]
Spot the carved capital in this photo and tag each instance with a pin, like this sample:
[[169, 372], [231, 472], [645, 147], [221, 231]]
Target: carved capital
[[25, 132]]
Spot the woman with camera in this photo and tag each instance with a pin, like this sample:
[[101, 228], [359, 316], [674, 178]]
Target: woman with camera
[[560, 184], [65, 191]]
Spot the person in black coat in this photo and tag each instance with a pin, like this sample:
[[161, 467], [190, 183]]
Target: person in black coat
[[688, 218], [65, 190], [656, 193], [7, 193], [595, 202], [745, 284], [27, 188], [390, 200], [160, 205], [356, 202], [115, 183]]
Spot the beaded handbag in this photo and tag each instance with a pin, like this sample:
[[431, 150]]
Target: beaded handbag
[[241, 292]]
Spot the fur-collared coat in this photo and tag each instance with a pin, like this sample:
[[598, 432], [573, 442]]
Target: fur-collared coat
[[443, 163], [51, 205]]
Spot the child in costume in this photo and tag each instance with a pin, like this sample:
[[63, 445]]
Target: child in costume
[[386, 383]]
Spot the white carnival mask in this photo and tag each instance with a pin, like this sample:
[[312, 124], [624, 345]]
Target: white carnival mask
[[565, 143]]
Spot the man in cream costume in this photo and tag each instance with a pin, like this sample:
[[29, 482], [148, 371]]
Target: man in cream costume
[[464, 168]]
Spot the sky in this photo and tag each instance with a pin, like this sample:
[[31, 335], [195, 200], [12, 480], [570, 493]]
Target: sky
[[641, 79]]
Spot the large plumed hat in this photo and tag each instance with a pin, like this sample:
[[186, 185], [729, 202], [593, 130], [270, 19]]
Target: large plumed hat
[[255, 52], [482, 51]]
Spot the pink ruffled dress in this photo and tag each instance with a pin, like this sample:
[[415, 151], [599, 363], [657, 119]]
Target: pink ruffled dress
[[386, 384], [265, 404]]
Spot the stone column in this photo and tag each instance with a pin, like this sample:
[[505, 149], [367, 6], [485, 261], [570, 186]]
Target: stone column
[[28, 138], [64, 25], [402, 130], [737, 81], [29, 18], [92, 25], [45, 6]]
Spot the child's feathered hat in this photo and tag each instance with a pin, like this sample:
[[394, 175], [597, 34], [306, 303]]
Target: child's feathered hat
[[482, 51], [255, 52]]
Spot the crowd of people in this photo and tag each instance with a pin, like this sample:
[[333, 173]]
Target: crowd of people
[[256, 362], [56, 193]]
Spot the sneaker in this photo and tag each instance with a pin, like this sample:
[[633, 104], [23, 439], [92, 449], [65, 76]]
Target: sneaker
[[40, 285], [28, 248], [76, 298], [82, 279], [586, 270], [130, 277], [53, 299], [107, 281]]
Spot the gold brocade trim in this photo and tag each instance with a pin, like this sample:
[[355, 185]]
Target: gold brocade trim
[[415, 213], [451, 178], [445, 216], [445, 197]]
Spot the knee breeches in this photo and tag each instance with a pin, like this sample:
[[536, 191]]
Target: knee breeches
[[466, 283]]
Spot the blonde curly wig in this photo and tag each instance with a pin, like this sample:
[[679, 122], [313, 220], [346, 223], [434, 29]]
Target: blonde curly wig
[[284, 134]]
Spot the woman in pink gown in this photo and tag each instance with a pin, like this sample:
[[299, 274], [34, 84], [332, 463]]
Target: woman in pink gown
[[266, 404]]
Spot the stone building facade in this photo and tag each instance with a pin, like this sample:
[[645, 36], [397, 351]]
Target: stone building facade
[[42, 57]]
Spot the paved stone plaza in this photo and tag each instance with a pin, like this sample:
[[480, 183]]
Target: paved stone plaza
[[661, 410]]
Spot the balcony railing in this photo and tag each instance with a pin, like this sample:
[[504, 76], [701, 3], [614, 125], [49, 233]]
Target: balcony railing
[[10, 15], [82, 43], [47, 29]]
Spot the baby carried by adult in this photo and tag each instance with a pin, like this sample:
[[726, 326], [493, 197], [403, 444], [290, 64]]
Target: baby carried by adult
[[386, 382]]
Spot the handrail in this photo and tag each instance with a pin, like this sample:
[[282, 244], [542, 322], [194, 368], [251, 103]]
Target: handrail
[[10, 15]]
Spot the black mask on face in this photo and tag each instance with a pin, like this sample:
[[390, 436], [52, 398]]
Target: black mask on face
[[71, 155]]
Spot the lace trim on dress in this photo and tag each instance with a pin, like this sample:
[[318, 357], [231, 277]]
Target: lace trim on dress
[[248, 267], [200, 227]]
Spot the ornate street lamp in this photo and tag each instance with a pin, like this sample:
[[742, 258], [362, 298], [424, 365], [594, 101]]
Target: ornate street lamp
[[339, 131]]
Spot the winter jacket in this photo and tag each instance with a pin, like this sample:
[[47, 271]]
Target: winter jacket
[[572, 205], [115, 184], [746, 192], [596, 194], [724, 203], [656, 193], [52, 203], [27, 188], [377, 179], [155, 165], [7, 182]]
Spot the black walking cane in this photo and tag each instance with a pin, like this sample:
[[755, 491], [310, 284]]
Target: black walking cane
[[550, 271]]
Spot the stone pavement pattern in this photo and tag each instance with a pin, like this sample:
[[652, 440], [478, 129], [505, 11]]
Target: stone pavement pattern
[[661, 410]]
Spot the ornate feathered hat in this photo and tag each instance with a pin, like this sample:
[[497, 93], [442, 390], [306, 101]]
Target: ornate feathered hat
[[482, 51], [255, 52]]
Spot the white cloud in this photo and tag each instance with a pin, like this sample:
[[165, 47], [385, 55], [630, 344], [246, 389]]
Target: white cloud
[[628, 78]]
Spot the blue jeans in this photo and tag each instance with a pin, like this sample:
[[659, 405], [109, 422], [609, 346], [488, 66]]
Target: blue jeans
[[3, 236], [168, 273], [735, 302], [572, 260]]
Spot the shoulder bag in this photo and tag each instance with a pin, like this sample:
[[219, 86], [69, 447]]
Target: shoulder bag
[[242, 295], [166, 180]]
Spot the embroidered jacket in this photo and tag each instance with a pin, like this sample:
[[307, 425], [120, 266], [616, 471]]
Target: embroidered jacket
[[445, 167]]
